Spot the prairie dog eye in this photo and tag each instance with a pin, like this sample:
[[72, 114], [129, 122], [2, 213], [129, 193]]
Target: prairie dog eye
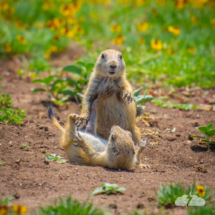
[[120, 56], [103, 56], [115, 150]]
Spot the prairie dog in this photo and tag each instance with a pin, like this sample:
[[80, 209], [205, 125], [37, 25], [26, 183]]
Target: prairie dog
[[119, 108], [118, 152]]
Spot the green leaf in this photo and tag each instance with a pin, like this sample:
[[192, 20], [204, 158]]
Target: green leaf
[[120, 189], [62, 161], [45, 81], [71, 82], [197, 136], [90, 67], [211, 133], [80, 95], [68, 92], [72, 69], [203, 129], [195, 107], [137, 92], [58, 81], [38, 81], [49, 79], [143, 99], [98, 191], [38, 90], [209, 126], [81, 64]]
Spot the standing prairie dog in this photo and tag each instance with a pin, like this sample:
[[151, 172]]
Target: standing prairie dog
[[118, 152], [119, 108]]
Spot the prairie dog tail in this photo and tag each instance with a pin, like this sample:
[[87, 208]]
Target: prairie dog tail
[[51, 115]]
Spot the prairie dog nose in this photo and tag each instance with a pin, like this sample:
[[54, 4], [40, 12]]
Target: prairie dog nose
[[112, 66]]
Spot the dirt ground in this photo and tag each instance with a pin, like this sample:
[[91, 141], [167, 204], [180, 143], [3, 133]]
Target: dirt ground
[[35, 182]]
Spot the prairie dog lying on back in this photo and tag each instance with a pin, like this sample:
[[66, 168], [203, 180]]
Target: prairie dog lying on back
[[119, 108], [118, 152]]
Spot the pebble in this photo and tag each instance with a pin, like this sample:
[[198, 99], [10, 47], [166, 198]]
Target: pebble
[[17, 161], [189, 142]]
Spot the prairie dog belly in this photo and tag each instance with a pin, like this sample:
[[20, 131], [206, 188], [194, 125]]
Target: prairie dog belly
[[114, 111]]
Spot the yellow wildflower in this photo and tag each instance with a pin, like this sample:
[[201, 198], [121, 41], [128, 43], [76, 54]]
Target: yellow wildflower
[[4, 6], [4, 209], [48, 5], [141, 40], [118, 40], [71, 20], [78, 29], [161, 2], [170, 51], [198, 3], [143, 26], [39, 25], [19, 24], [47, 54], [53, 48], [68, 32], [200, 190], [116, 28], [70, 9], [213, 22], [20, 209], [176, 31], [191, 49], [11, 10], [123, 2], [181, 3], [55, 23], [33, 75], [157, 45], [139, 3], [21, 39], [56, 37], [103, 1], [8, 47]]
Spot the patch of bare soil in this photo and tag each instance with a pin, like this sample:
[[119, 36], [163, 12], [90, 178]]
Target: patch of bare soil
[[35, 182]]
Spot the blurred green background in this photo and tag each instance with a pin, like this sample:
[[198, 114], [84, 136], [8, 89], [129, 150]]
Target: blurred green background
[[170, 42]]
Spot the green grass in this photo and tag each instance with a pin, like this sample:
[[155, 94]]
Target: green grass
[[185, 59], [69, 206], [201, 210]]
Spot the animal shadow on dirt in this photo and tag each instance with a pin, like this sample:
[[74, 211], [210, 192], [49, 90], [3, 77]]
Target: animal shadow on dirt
[[197, 149]]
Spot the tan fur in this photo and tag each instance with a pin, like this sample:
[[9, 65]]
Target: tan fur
[[114, 110], [118, 152]]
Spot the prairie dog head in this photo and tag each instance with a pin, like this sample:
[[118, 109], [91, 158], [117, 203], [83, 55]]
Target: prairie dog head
[[110, 63], [121, 149]]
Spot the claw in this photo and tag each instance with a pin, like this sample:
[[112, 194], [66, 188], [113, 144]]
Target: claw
[[79, 123], [145, 166], [123, 96], [127, 96]]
